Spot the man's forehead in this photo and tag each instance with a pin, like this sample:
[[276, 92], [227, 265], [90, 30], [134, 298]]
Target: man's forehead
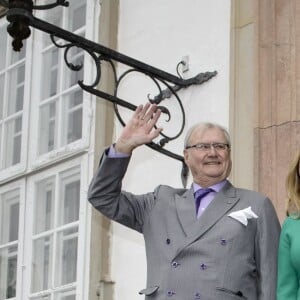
[[206, 132]]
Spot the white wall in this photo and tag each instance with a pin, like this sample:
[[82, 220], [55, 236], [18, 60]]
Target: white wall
[[160, 33]]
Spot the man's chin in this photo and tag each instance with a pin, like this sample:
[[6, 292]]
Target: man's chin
[[216, 175]]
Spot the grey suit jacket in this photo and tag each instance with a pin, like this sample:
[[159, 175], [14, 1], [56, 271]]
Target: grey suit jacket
[[212, 258]]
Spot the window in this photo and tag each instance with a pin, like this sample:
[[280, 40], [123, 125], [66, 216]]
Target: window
[[60, 99], [12, 84], [42, 243], [55, 235], [44, 117], [9, 242]]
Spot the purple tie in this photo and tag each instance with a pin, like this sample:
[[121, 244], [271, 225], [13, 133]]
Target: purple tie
[[201, 194]]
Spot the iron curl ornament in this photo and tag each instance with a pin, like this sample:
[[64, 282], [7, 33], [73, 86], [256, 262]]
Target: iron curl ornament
[[20, 16]]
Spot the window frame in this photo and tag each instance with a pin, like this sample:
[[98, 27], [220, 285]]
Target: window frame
[[32, 166], [18, 185], [81, 163], [13, 170], [62, 152]]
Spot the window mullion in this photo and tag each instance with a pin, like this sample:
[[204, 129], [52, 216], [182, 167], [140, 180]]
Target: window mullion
[[55, 225], [22, 239], [59, 125], [4, 114]]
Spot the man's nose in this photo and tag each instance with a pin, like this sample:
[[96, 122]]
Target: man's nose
[[212, 150]]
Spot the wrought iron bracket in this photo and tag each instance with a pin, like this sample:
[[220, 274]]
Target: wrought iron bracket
[[20, 17]]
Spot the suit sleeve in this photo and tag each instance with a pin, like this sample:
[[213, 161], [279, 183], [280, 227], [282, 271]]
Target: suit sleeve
[[106, 196], [287, 281], [266, 249]]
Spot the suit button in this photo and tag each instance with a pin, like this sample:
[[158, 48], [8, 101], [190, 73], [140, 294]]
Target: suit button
[[203, 266], [223, 242], [168, 241], [175, 264], [170, 293], [197, 296]]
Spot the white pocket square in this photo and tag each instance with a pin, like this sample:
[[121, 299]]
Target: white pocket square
[[243, 215]]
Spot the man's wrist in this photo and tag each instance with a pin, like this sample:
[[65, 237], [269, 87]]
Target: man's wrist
[[124, 148]]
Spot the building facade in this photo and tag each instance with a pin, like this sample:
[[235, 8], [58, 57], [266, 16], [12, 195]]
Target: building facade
[[53, 245]]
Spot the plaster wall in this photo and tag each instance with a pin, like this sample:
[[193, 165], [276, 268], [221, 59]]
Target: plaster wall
[[161, 33]]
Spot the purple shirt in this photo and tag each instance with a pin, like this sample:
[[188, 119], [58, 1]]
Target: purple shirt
[[114, 154], [205, 201]]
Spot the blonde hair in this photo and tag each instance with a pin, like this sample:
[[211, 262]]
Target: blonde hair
[[293, 187]]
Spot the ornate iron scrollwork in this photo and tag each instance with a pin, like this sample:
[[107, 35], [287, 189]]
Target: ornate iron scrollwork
[[20, 17]]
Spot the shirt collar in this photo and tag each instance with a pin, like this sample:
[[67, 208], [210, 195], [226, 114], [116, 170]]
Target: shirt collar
[[216, 187]]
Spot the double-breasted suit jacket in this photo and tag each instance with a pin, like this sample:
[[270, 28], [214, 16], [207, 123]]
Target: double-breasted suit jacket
[[214, 257]]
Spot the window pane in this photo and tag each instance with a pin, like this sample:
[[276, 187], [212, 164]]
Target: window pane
[[9, 222], [72, 115], [69, 206], [41, 264], [13, 142], [47, 135], [14, 222], [50, 76], [3, 39], [8, 272], [78, 11], [54, 15], [75, 56], [44, 205], [16, 89], [66, 263]]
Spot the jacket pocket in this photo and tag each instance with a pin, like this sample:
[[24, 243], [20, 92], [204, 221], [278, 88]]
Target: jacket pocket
[[149, 290], [231, 294]]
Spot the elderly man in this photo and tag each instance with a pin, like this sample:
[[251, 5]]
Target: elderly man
[[212, 241]]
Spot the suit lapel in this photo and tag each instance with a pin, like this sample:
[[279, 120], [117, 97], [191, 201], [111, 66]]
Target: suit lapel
[[186, 211], [194, 227]]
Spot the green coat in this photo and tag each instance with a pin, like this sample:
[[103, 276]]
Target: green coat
[[289, 261]]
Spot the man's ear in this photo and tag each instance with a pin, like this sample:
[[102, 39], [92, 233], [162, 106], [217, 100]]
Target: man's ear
[[184, 153], [186, 156]]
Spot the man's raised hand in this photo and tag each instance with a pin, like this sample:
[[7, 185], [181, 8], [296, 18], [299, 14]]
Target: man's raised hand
[[140, 129]]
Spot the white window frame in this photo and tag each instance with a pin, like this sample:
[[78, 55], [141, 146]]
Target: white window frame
[[13, 170], [83, 247], [37, 160], [33, 167], [20, 187]]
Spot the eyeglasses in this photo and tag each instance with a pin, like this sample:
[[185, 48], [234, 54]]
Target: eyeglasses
[[205, 147]]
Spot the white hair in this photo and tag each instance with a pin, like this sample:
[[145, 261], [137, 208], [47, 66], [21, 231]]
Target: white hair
[[203, 126]]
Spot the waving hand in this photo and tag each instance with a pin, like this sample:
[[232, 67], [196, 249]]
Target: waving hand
[[140, 129]]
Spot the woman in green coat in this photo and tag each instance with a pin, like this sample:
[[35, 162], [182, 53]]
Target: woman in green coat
[[288, 287]]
